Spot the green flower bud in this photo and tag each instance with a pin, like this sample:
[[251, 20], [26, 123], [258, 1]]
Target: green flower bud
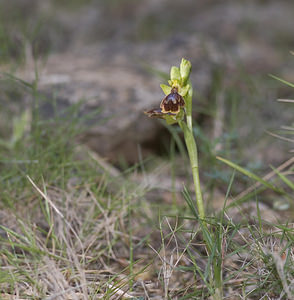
[[185, 69], [175, 73]]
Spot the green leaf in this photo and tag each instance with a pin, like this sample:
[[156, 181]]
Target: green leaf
[[190, 202], [20, 124], [249, 174], [284, 179], [282, 80], [17, 79]]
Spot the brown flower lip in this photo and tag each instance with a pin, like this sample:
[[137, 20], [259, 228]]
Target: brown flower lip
[[157, 113], [173, 102]]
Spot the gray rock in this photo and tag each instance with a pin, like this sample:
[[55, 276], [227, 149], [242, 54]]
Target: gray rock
[[113, 75]]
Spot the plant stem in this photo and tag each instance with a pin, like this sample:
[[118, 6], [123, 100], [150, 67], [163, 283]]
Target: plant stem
[[193, 155], [189, 107], [192, 151]]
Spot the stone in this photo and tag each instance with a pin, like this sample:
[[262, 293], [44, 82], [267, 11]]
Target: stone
[[118, 75]]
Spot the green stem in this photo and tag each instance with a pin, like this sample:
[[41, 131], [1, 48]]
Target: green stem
[[188, 99], [193, 155], [192, 151]]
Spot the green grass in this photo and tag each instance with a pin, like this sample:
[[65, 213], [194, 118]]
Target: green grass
[[72, 227], [58, 205]]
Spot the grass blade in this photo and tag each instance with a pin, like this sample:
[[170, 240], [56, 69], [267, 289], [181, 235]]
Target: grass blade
[[282, 80], [250, 174]]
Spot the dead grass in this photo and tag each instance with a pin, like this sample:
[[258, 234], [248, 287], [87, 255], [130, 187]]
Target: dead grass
[[72, 226], [75, 244]]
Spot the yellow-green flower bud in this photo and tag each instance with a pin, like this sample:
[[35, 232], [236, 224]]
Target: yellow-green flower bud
[[175, 73], [185, 69]]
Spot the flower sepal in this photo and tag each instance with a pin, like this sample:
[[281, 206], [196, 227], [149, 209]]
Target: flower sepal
[[165, 88], [170, 118]]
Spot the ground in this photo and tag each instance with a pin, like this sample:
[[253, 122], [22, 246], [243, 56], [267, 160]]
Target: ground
[[97, 201]]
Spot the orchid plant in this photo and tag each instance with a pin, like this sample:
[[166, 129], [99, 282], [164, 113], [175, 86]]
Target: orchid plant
[[176, 107]]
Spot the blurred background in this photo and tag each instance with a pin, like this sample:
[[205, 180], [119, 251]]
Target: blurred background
[[110, 56], [93, 192]]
